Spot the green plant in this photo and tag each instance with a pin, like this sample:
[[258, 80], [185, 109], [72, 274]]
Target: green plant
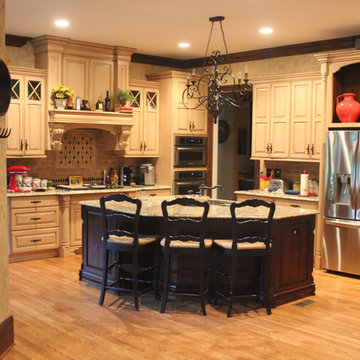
[[122, 95]]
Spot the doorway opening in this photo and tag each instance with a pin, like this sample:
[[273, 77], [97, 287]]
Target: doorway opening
[[235, 169]]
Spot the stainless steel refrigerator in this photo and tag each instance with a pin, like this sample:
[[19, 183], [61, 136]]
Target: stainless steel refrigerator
[[341, 239]]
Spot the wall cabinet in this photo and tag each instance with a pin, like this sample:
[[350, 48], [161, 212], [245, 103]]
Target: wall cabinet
[[271, 119], [306, 119], [26, 115], [187, 121], [34, 224], [287, 119], [144, 136]]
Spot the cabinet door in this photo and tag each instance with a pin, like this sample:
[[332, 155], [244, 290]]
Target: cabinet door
[[75, 75], [101, 79], [280, 120], [198, 121], [14, 118], [261, 121], [34, 121], [301, 113], [134, 141], [182, 122], [151, 122], [317, 120]]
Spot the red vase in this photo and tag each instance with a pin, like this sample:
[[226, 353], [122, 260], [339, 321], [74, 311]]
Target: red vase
[[347, 110]]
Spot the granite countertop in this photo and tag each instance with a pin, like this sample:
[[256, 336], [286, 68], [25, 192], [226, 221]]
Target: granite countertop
[[277, 195], [92, 191], [218, 209]]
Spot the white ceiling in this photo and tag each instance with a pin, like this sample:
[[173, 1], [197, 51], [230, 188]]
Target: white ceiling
[[155, 27]]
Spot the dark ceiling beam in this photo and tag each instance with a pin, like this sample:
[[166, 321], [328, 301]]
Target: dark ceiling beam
[[157, 60], [15, 40]]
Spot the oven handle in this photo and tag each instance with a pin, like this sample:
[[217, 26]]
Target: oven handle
[[187, 148], [189, 182]]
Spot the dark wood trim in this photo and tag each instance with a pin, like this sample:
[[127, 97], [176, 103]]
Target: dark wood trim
[[267, 53], [157, 60], [6, 335], [15, 40]]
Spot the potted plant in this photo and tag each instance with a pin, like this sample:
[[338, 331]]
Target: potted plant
[[60, 95], [123, 97]]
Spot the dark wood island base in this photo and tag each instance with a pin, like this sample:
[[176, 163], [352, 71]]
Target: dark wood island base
[[291, 257]]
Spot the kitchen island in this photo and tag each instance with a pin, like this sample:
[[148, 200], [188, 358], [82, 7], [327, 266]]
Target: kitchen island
[[292, 250]]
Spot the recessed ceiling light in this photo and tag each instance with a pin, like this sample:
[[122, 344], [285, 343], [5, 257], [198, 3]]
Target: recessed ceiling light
[[61, 23], [183, 44], [266, 30]]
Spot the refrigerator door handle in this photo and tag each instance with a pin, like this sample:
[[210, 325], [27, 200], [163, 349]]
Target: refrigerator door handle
[[353, 186], [356, 186]]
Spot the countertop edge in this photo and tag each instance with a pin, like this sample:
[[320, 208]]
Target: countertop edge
[[261, 193]]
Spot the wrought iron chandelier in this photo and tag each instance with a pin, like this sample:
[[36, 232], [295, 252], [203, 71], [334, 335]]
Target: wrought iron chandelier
[[214, 79]]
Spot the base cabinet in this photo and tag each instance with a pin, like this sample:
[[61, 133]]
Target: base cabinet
[[34, 224]]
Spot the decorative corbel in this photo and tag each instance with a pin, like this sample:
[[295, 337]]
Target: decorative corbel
[[123, 135], [56, 134]]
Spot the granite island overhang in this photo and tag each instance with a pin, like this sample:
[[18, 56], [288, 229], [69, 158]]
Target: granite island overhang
[[292, 251]]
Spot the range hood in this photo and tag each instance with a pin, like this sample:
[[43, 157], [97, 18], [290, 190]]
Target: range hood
[[117, 123]]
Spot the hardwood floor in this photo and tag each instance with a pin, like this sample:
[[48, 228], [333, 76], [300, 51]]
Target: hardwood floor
[[57, 317]]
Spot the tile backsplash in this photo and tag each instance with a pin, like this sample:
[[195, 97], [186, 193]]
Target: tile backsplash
[[292, 170], [84, 153]]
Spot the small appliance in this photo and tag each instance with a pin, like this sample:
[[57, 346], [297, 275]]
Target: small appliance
[[126, 175], [146, 174], [16, 174]]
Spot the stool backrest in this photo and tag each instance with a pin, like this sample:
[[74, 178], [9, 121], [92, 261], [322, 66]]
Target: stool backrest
[[120, 216], [252, 224], [186, 221]]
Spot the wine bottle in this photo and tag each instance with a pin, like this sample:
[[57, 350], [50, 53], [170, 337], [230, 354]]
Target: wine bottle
[[107, 101]]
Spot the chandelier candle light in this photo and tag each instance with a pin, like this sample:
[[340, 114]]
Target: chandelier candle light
[[214, 80]]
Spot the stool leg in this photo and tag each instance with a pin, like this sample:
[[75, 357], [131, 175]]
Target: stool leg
[[156, 271], [135, 278], [166, 280], [232, 283], [266, 284], [104, 275], [202, 282]]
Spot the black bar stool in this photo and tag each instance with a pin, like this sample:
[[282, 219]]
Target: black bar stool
[[120, 234], [250, 238], [184, 234]]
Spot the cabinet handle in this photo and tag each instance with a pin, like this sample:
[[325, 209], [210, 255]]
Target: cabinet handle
[[26, 144], [21, 145], [141, 145], [144, 145], [193, 126], [270, 148], [267, 148], [35, 240], [312, 149], [308, 149], [190, 125], [37, 218], [35, 201]]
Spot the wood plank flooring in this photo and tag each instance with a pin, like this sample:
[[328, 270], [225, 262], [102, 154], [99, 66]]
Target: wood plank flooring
[[57, 317]]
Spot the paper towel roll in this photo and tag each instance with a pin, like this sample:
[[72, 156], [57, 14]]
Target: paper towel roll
[[304, 184]]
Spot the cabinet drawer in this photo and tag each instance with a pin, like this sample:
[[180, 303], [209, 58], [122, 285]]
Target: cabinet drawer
[[34, 201], [32, 240], [22, 219], [295, 203]]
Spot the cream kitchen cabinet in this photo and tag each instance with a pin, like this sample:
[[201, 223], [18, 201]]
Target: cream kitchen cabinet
[[89, 78], [271, 120], [144, 137], [306, 119], [34, 224], [26, 115], [189, 121]]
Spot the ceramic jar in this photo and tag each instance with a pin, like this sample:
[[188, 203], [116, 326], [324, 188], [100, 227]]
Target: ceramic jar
[[347, 110]]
